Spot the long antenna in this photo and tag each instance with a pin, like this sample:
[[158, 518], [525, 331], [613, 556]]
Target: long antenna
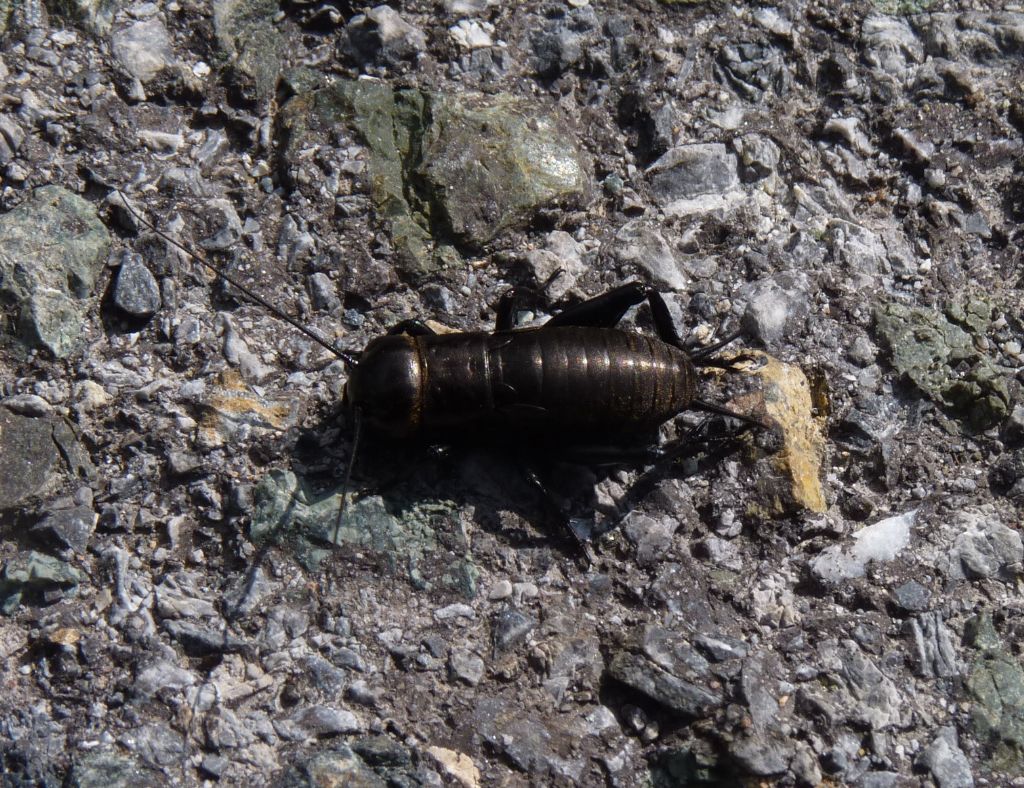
[[348, 359]]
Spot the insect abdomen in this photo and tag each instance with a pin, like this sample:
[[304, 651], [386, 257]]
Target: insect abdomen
[[558, 380]]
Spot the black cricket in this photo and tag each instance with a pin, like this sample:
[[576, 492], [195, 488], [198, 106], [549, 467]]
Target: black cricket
[[577, 386], [576, 379]]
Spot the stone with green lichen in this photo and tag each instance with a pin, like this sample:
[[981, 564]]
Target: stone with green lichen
[[52, 248], [931, 352], [251, 44], [290, 513], [980, 633], [996, 688], [443, 169], [974, 314], [31, 576], [491, 162]]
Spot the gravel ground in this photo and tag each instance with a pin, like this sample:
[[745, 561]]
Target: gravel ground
[[833, 599]]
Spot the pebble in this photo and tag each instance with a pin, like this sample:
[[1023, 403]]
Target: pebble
[[500, 590], [689, 171], [466, 666], [143, 49], [911, 597], [136, 292], [454, 611], [471, 34]]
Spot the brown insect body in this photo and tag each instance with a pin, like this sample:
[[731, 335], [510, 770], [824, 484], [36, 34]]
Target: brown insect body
[[559, 383]]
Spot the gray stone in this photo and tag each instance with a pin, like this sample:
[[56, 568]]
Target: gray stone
[[562, 43], [562, 254], [773, 306], [720, 647], [758, 155], [335, 767], [246, 34], [382, 33], [330, 680], [890, 45], [323, 293], [753, 69], [1012, 431], [314, 721], [136, 291], [644, 246], [682, 697], [986, 548], [759, 689], [672, 651], [911, 597], [68, 527], [29, 458], [52, 248], [465, 666], [159, 675], [946, 761], [878, 780], [156, 743], [143, 48], [224, 730], [880, 704], [201, 640], [510, 629], [11, 139], [689, 171], [762, 753], [933, 645]]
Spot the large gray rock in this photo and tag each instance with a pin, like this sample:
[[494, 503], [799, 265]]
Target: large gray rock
[[52, 248]]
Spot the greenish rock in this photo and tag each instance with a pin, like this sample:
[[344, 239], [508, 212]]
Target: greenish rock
[[491, 162], [980, 633], [52, 248], [442, 169], [996, 688], [337, 766], [940, 358], [251, 44], [974, 314], [110, 769], [463, 577], [288, 512], [35, 577]]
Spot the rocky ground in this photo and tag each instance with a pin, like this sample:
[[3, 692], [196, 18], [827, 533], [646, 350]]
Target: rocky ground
[[835, 600]]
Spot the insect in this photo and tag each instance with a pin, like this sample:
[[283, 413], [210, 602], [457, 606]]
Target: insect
[[577, 386]]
